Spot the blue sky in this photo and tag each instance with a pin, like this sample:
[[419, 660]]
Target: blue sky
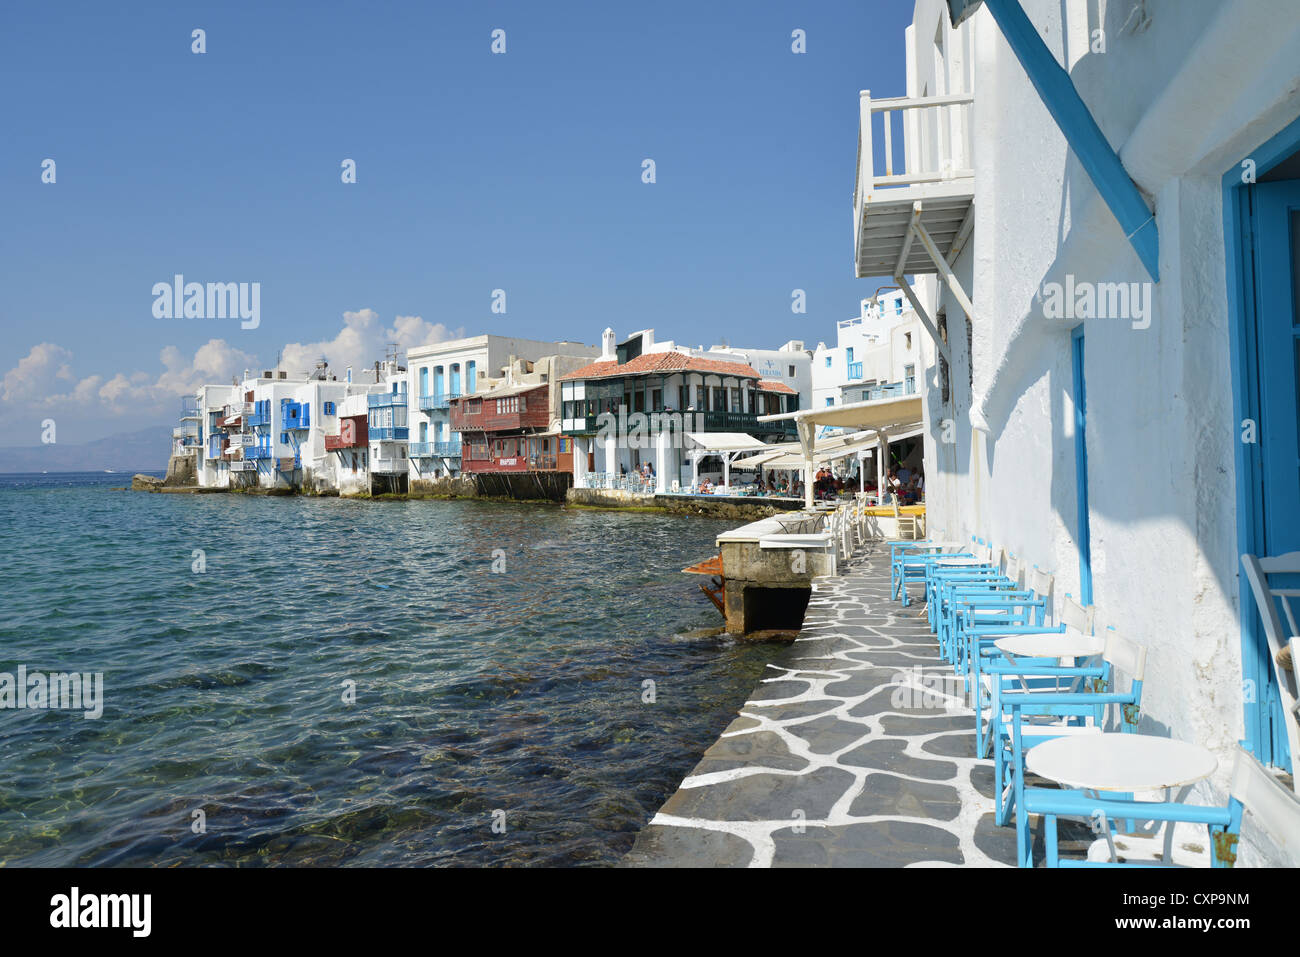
[[475, 172]]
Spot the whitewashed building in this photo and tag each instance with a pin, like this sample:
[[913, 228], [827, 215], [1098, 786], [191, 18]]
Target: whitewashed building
[[874, 356], [1095, 209], [639, 402], [442, 371]]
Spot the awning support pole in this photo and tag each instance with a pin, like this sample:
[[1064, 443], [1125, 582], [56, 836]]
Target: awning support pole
[[808, 441]]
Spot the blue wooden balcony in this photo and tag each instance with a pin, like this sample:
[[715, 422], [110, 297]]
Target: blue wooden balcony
[[437, 403], [428, 450]]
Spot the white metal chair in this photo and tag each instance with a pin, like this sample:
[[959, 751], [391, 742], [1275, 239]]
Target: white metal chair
[[1280, 642]]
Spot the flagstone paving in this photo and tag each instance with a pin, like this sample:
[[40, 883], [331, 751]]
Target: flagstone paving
[[844, 756]]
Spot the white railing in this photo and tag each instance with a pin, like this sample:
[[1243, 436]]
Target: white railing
[[936, 142], [623, 483]]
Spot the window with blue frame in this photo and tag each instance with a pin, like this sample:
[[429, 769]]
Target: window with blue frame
[[828, 362], [471, 371], [848, 354]]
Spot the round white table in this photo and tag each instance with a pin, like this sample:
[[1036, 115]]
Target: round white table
[[1115, 761], [1121, 762], [1051, 644]]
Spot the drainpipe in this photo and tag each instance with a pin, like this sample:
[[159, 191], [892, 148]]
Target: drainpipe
[[1081, 131]]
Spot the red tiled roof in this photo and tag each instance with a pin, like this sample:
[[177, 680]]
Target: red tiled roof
[[771, 385], [651, 362]]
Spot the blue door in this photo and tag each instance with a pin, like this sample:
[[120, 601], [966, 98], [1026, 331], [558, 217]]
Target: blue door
[[1272, 356], [1083, 534]]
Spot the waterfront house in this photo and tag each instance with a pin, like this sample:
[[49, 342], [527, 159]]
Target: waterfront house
[[510, 430], [641, 399], [443, 371], [874, 356], [1094, 214]]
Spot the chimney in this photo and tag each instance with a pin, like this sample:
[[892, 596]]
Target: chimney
[[607, 351]]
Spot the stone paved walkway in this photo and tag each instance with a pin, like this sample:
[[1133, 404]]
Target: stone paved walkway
[[828, 764]]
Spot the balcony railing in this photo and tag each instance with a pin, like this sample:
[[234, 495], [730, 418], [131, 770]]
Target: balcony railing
[[437, 402], [892, 390], [390, 433], [426, 450], [257, 452], [855, 370], [189, 407], [380, 400], [239, 440], [729, 421], [937, 177], [936, 141]]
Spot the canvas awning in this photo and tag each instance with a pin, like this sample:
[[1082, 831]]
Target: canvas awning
[[725, 441], [795, 460], [876, 415], [887, 418]]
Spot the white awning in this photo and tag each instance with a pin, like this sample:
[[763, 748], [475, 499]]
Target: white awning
[[725, 441], [795, 459], [877, 414]]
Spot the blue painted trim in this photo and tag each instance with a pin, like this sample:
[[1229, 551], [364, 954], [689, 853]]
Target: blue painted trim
[[1081, 131], [1242, 346], [1083, 533]]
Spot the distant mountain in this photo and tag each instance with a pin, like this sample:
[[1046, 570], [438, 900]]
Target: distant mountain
[[145, 450]]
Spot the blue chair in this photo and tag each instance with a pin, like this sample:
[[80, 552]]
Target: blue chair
[[1274, 808], [1036, 712], [980, 644], [909, 561]]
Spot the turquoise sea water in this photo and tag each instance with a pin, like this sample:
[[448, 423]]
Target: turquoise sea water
[[476, 692]]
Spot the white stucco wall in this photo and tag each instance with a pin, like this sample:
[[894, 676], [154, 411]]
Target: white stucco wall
[[1184, 100]]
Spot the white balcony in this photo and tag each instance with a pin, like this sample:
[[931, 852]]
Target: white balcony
[[935, 188]]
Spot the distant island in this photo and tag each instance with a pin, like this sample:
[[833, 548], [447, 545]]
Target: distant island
[[145, 450]]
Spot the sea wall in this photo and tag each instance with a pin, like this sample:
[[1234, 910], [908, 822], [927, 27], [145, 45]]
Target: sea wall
[[459, 487]]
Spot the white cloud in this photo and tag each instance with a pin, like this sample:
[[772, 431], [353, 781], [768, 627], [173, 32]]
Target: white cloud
[[362, 340], [32, 380], [41, 379]]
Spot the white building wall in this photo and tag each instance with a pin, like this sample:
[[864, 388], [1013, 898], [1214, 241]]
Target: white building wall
[[1184, 100]]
